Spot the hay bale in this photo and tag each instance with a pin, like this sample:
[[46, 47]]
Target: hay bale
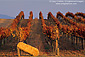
[[27, 48]]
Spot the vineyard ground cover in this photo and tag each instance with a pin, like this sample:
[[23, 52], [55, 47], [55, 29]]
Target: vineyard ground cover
[[37, 39], [23, 23]]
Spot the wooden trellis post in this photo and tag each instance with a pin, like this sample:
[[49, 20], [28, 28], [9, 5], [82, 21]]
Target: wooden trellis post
[[72, 40], [3, 41], [77, 41], [0, 42], [57, 49], [18, 50], [82, 42]]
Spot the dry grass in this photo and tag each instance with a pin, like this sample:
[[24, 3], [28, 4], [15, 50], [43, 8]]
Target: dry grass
[[5, 22]]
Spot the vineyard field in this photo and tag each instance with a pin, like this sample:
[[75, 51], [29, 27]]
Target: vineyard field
[[37, 33]]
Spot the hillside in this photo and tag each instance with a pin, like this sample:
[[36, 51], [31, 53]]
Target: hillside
[[37, 39], [5, 22], [5, 17]]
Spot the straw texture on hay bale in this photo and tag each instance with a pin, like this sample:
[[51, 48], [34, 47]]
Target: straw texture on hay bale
[[27, 48]]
